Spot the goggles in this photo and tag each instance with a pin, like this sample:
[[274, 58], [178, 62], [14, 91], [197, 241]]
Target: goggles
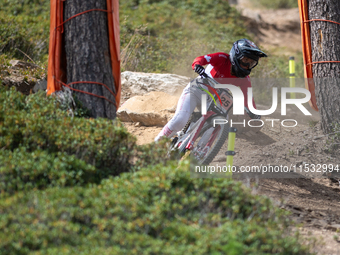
[[248, 62]]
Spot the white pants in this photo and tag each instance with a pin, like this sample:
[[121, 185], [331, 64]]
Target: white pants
[[189, 100]]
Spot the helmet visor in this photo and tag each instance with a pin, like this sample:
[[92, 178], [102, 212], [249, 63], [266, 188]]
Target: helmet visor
[[247, 62]]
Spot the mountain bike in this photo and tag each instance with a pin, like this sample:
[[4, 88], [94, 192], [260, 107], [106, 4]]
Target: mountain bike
[[204, 135]]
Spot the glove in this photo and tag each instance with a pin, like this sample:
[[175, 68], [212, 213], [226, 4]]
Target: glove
[[199, 69]]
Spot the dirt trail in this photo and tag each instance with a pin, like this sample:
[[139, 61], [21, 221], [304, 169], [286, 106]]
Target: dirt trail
[[274, 29], [313, 199]]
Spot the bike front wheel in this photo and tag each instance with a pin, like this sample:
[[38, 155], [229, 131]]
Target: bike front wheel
[[209, 142]]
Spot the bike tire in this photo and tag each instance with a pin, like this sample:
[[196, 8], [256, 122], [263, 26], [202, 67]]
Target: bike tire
[[221, 138]]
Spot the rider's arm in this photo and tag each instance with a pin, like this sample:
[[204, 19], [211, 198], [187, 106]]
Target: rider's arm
[[212, 59]]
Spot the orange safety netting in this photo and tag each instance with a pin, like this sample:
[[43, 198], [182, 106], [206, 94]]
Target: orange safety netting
[[57, 59]]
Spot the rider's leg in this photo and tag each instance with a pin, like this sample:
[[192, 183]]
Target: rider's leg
[[185, 107]]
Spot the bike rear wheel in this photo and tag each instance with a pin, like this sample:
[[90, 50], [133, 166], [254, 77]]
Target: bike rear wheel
[[209, 142]]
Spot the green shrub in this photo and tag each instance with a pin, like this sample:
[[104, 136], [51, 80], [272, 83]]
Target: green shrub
[[42, 146], [158, 210], [22, 170], [35, 125], [153, 154]]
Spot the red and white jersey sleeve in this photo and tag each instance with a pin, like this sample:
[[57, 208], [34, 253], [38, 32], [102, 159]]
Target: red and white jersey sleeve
[[220, 69], [215, 59]]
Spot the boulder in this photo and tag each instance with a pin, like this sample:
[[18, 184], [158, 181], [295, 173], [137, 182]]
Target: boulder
[[142, 83], [152, 109]]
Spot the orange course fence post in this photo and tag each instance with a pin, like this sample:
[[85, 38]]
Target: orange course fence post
[[114, 35], [54, 48], [56, 61], [307, 52]]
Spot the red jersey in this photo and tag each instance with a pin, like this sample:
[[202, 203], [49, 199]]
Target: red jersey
[[220, 69]]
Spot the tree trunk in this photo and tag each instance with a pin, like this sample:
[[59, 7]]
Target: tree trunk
[[88, 55], [325, 39]]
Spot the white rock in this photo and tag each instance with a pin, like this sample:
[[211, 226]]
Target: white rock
[[153, 109], [142, 83]]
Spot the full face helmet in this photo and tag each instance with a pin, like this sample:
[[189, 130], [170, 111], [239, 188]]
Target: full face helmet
[[244, 56]]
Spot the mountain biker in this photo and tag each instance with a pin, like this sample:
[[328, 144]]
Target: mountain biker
[[236, 66]]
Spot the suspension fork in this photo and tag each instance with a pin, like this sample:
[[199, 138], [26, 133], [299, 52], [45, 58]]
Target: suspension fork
[[191, 142]]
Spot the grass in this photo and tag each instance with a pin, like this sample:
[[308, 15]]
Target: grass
[[276, 4], [162, 36]]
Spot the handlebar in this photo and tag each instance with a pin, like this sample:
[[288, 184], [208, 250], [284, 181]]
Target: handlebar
[[204, 75]]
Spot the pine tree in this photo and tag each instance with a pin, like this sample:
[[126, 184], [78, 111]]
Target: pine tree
[[325, 39], [88, 55]]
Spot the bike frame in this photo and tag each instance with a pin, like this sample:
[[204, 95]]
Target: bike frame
[[198, 130], [187, 140], [199, 125]]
